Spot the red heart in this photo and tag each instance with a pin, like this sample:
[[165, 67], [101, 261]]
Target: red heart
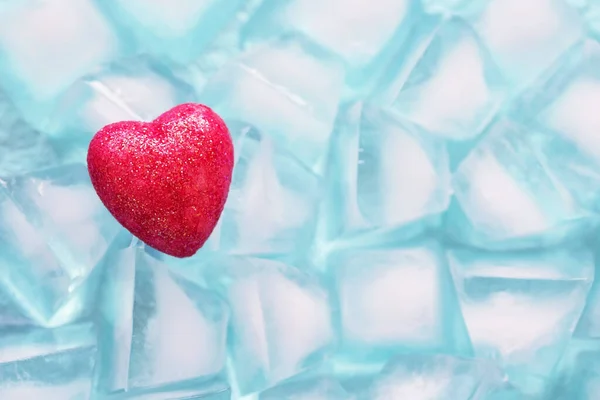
[[165, 181]]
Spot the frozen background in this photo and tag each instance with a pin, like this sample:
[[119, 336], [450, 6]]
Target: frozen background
[[413, 215]]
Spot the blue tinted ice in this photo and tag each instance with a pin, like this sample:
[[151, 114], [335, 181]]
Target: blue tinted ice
[[505, 196], [54, 231], [280, 320], [387, 175], [157, 330], [520, 309], [178, 29], [455, 88], [320, 388], [396, 299], [48, 364], [525, 39], [272, 201], [286, 91], [45, 46]]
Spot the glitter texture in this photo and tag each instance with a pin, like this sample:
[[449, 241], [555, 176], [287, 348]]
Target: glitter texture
[[166, 181]]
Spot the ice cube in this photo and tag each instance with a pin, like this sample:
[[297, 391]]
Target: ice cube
[[455, 89], [364, 37], [48, 249], [507, 198], [284, 90], [177, 29], [22, 148], [159, 332], [564, 106], [50, 364], [272, 200], [527, 37], [521, 308], [430, 377], [136, 89], [45, 46], [320, 388], [395, 299], [387, 175], [280, 320]]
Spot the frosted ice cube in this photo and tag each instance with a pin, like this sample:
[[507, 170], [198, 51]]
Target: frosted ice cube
[[565, 107], [280, 320], [49, 249], [389, 176], [284, 90], [45, 46], [527, 37], [178, 29], [394, 299], [272, 200], [455, 89], [507, 198], [158, 330], [320, 388], [430, 377], [50, 364], [364, 37], [136, 89], [521, 308], [23, 149]]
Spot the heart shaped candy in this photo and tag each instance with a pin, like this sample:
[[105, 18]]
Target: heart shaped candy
[[165, 181]]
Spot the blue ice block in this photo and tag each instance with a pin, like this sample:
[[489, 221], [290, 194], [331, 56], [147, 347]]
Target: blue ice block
[[318, 388], [161, 336], [386, 176], [54, 232], [46, 45], [23, 148], [507, 198], [178, 29], [280, 320], [433, 377], [563, 105], [52, 364], [455, 89], [287, 90], [397, 299], [270, 209], [521, 309], [525, 39], [134, 89], [363, 35]]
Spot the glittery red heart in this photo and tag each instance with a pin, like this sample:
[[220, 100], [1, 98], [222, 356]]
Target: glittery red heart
[[166, 181]]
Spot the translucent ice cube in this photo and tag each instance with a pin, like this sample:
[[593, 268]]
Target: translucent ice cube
[[284, 90], [455, 89], [280, 321], [389, 176], [430, 377], [23, 149], [178, 29], [50, 364], [136, 89], [526, 37], [159, 332], [565, 107], [324, 388], [363, 36], [272, 200], [395, 299], [45, 46], [48, 249], [507, 198], [521, 308]]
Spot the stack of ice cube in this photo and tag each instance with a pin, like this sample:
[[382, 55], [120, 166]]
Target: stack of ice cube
[[414, 212]]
